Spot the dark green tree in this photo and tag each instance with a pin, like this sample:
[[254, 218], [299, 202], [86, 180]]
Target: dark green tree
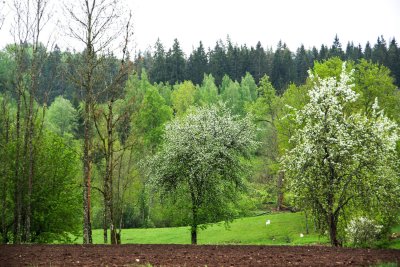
[[176, 64], [282, 68], [336, 49], [158, 72], [197, 65]]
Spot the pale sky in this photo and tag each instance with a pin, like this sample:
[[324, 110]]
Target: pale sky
[[308, 22]]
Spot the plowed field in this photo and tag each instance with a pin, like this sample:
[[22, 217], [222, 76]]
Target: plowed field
[[186, 255]]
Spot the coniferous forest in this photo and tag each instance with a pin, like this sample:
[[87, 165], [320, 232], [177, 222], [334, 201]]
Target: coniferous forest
[[95, 139]]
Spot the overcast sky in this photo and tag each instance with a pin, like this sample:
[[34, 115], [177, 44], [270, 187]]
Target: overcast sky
[[308, 22]]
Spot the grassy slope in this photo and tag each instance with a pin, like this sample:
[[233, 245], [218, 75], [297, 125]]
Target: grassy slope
[[285, 229]]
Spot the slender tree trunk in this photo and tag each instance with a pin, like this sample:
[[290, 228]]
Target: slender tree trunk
[[29, 135], [4, 174], [279, 202], [17, 179], [105, 228], [306, 218], [193, 230], [87, 226]]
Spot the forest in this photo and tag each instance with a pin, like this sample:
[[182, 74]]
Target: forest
[[95, 139]]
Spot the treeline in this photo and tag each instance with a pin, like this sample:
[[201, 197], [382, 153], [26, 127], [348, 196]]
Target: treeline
[[173, 66], [282, 65]]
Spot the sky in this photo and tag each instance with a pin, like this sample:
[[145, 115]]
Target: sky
[[295, 22]]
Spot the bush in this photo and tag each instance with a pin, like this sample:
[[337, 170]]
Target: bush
[[363, 232]]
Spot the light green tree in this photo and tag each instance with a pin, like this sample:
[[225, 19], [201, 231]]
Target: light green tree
[[62, 117], [183, 97], [150, 120], [202, 159], [208, 92], [249, 85], [342, 161]]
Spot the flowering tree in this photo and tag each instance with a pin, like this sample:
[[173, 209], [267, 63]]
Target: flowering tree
[[201, 159], [341, 160]]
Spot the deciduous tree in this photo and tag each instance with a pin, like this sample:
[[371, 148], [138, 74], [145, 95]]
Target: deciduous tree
[[201, 157], [341, 160]]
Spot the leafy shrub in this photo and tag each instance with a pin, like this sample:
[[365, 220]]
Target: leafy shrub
[[363, 232]]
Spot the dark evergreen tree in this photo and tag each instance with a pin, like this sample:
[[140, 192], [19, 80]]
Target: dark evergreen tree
[[336, 49], [323, 53], [368, 51], [302, 64], [158, 73], [175, 61], [394, 60], [380, 52], [282, 68], [258, 59], [218, 65], [232, 56], [315, 55], [197, 65]]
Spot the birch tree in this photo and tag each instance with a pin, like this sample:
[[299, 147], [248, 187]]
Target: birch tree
[[342, 161], [30, 19], [101, 27]]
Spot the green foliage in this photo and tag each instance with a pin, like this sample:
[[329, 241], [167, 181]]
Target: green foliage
[[149, 122], [56, 195], [183, 97], [207, 94], [201, 158], [339, 159], [373, 81], [62, 117]]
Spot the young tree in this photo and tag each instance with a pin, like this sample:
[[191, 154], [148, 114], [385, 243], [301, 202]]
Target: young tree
[[342, 160], [201, 157]]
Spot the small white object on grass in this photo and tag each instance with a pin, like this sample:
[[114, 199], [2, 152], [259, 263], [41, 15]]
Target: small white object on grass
[[267, 222], [301, 235]]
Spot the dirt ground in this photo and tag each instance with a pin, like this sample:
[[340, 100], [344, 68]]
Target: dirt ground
[[186, 255]]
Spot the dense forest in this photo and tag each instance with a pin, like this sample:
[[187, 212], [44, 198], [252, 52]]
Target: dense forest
[[164, 139]]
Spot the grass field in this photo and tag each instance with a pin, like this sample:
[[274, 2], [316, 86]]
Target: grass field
[[284, 229]]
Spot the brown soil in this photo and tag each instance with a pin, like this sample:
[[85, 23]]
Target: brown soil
[[186, 255]]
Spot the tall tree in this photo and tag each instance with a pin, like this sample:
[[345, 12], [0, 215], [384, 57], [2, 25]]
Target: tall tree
[[197, 65], [97, 25], [302, 65], [30, 19], [380, 52], [368, 51], [218, 63], [282, 68], [175, 61], [336, 49], [158, 73], [394, 60]]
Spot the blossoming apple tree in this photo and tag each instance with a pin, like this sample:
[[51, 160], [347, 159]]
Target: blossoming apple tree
[[341, 160]]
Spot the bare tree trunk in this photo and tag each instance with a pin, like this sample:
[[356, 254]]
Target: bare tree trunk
[[87, 226]]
